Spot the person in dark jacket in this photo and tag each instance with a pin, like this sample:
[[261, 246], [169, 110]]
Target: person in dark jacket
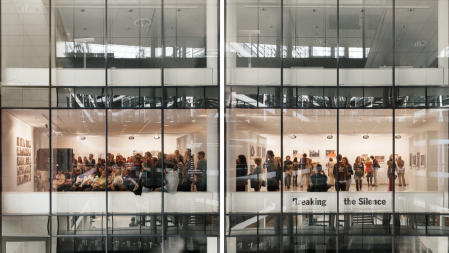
[[241, 173], [350, 173], [340, 174], [271, 166], [319, 180]]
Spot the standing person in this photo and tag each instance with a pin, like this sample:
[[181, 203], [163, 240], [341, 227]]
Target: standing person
[[91, 161], [306, 172], [401, 170], [295, 171], [369, 171], [147, 160], [256, 176], [288, 169], [340, 173], [391, 172], [241, 173], [271, 166], [319, 180], [186, 182], [359, 173], [302, 165], [278, 173], [201, 168], [350, 173], [330, 168], [376, 167]]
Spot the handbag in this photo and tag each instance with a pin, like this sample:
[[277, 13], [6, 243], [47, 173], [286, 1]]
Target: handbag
[[359, 172]]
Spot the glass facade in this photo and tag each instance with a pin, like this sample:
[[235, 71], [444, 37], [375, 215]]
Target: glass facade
[[224, 126]]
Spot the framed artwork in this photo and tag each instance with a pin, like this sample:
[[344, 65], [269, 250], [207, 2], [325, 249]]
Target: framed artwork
[[423, 160], [252, 151], [264, 151], [331, 153], [363, 157], [417, 160], [18, 141], [314, 153], [259, 151], [380, 158], [295, 153], [413, 160]]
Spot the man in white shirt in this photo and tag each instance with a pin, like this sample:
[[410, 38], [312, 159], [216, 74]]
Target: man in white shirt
[[171, 179], [117, 183]]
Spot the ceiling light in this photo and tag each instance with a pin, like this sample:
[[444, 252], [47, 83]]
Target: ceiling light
[[130, 10], [157, 137], [358, 27], [404, 26], [398, 136], [293, 137], [84, 28], [270, 26], [366, 136], [263, 9], [127, 121], [424, 120], [313, 10], [83, 138], [247, 120], [420, 43], [171, 27], [315, 27], [82, 10], [411, 9], [330, 136], [179, 9], [142, 22], [129, 28], [131, 138], [362, 10]]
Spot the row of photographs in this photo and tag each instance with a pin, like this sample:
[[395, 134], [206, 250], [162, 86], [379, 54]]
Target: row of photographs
[[23, 151], [22, 170], [418, 160], [23, 179], [21, 142], [23, 161], [260, 151]]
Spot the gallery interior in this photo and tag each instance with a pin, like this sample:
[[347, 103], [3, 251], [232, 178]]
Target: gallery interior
[[224, 126]]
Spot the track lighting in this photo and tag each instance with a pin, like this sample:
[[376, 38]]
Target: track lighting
[[157, 137], [83, 138], [366, 136], [247, 120], [398, 136], [293, 136], [131, 138], [193, 120], [330, 136], [424, 120]]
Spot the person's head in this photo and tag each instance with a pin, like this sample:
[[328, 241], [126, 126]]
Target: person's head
[[242, 159], [85, 158], [91, 156], [169, 167], [270, 154], [201, 155], [123, 171], [258, 161], [117, 172], [308, 161], [288, 158], [399, 157], [372, 157], [295, 160], [345, 160], [357, 160], [391, 157], [179, 159], [304, 155], [177, 152], [100, 169], [59, 172], [188, 152], [103, 174], [159, 155], [368, 160], [339, 157], [330, 159], [79, 159], [319, 168]]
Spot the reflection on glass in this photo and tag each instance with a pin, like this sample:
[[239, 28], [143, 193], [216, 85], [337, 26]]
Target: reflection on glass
[[310, 243], [79, 225], [373, 243], [25, 162], [78, 166], [253, 244]]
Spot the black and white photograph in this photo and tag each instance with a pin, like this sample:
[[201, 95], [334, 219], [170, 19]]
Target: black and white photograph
[[423, 161], [314, 153], [252, 151], [295, 201], [295, 153], [414, 160]]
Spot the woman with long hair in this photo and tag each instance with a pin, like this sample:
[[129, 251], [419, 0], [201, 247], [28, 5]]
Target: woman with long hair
[[350, 172], [359, 173], [241, 173], [369, 171]]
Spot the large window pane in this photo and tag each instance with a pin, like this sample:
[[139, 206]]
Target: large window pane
[[25, 161]]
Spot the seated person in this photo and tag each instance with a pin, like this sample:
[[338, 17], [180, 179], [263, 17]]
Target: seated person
[[59, 181], [171, 179], [100, 183], [319, 180], [88, 180], [129, 184], [68, 181], [116, 184]]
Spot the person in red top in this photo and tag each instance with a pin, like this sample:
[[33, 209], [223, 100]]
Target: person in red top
[[369, 171]]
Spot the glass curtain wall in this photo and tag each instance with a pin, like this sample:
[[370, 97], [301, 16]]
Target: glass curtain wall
[[350, 117], [109, 126]]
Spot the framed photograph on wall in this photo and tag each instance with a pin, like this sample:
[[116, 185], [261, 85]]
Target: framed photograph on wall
[[295, 153], [414, 160], [331, 153], [252, 151], [314, 153], [423, 161], [417, 160], [259, 151], [380, 158]]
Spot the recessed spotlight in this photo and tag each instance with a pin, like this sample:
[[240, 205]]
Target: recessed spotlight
[[171, 27], [263, 9], [313, 10], [130, 10], [420, 43], [315, 27], [129, 28], [142, 22], [270, 26], [293, 137], [131, 138], [178, 9], [366, 136], [358, 27], [398, 136], [411, 9], [83, 138], [127, 121], [82, 10], [330, 136], [157, 137], [362, 10], [404, 26]]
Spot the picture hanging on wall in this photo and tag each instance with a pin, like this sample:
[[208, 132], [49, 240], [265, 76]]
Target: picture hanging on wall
[[259, 151], [417, 160], [314, 153], [423, 161], [380, 158], [264, 151], [331, 153], [252, 151], [23, 161], [414, 160], [295, 153]]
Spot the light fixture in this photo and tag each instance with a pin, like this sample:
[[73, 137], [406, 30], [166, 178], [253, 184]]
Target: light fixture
[[424, 120], [411, 9], [131, 138], [293, 136], [84, 28], [193, 120], [263, 9], [247, 120], [179, 9], [157, 137], [366, 136], [330, 136], [83, 138], [362, 10], [313, 10], [404, 26], [270, 26], [82, 10], [315, 27], [420, 43], [142, 22], [127, 121], [130, 10], [129, 28], [398, 136]]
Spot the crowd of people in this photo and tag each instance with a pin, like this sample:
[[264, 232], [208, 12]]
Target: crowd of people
[[340, 174], [168, 173]]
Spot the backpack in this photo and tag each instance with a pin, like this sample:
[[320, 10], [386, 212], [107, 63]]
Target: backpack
[[359, 172]]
